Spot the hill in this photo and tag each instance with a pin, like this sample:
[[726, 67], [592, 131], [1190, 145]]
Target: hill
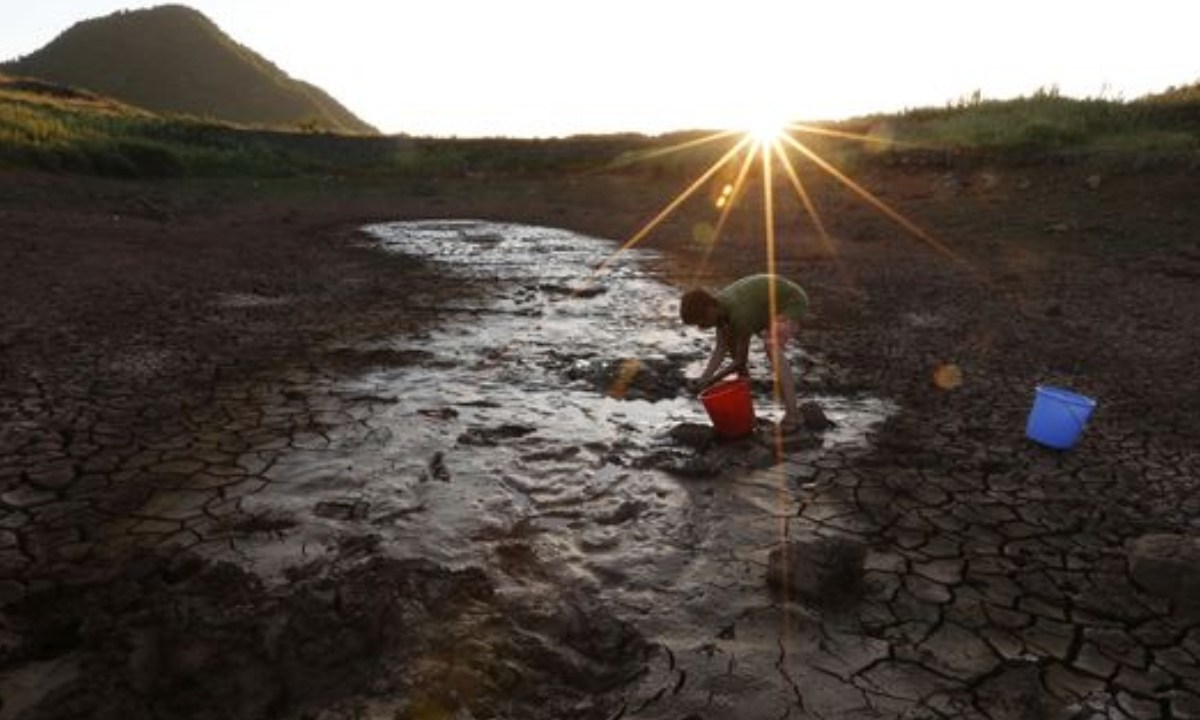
[[173, 59]]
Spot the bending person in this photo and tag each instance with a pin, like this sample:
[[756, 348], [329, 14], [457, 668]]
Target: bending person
[[769, 306]]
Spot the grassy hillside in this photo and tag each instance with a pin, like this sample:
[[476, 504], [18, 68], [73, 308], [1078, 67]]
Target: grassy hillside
[[174, 59], [57, 128], [52, 127], [1048, 124]]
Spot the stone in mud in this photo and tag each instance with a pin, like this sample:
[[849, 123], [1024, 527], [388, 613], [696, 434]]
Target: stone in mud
[[582, 291], [342, 509], [821, 571], [436, 469], [693, 467], [626, 511], [488, 437], [1168, 565], [814, 416], [650, 379], [555, 455], [439, 413], [681, 464], [698, 436]]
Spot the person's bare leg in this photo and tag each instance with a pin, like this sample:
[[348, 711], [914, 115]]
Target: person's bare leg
[[785, 382]]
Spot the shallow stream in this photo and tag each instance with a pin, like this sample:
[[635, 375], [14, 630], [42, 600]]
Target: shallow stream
[[538, 436]]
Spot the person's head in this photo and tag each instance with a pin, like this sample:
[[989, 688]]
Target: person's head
[[699, 307]]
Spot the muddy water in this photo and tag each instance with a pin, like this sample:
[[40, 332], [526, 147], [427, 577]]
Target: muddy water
[[537, 436]]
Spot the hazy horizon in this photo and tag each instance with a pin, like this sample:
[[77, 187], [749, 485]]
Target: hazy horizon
[[531, 68]]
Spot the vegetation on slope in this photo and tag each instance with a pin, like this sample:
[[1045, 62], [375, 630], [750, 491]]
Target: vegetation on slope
[[173, 59], [52, 127]]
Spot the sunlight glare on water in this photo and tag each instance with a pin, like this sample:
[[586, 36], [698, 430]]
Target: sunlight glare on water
[[546, 402], [550, 318], [547, 315]]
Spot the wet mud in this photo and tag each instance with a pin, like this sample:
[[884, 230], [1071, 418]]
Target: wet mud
[[466, 519], [358, 635]]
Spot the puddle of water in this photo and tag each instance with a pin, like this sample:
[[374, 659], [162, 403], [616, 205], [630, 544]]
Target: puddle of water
[[499, 437]]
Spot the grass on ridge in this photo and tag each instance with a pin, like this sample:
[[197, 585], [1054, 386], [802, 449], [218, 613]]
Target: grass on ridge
[[55, 128]]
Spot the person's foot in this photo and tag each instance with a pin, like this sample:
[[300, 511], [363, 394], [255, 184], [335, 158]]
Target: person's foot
[[790, 424]]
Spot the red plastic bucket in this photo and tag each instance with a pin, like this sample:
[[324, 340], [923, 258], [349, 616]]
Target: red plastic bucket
[[730, 407]]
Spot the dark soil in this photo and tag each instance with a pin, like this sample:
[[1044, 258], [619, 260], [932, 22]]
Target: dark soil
[[125, 303], [1051, 277]]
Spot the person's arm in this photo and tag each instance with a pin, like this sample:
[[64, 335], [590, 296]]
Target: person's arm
[[714, 361], [727, 344]]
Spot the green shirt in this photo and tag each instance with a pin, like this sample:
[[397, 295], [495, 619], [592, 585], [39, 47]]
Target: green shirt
[[747, 302]]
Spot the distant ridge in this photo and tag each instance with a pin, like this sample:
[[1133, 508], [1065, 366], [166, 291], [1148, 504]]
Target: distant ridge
[[173, 59]]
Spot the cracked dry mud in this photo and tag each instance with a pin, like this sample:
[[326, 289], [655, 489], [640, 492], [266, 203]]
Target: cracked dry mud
[[255, 467]]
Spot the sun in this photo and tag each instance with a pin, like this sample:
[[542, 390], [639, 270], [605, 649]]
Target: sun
[[765, 131], [764, 123]]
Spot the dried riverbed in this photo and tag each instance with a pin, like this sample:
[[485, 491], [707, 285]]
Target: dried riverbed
[[477, 508]]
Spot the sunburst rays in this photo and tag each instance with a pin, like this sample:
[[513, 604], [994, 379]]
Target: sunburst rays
[[774, 150]]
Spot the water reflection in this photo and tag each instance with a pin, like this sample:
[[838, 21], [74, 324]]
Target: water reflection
[[540, 419]]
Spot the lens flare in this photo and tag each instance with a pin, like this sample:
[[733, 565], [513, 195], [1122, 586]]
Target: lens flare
[[947, 376], [624, 378], [774, 147]]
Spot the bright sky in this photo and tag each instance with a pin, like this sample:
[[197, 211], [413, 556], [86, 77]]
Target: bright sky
[[542, 68]]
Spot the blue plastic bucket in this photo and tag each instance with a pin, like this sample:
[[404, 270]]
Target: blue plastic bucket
[[1058, 417]]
